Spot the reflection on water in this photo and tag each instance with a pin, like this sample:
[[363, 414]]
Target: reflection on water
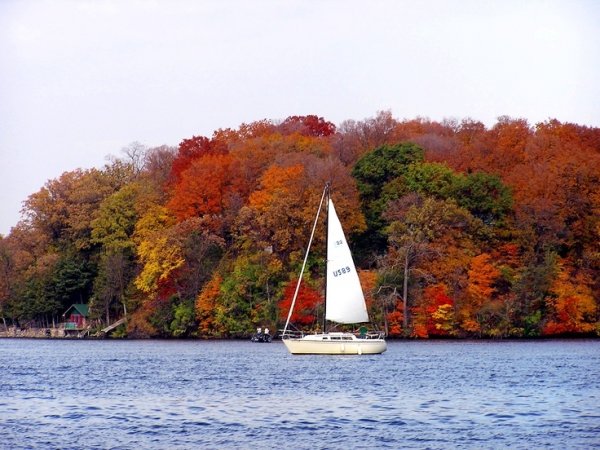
[[170, 394]]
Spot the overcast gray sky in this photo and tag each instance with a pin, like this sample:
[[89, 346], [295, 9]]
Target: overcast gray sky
[[80, 80]]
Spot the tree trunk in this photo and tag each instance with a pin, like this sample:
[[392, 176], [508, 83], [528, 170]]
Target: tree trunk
[[405, 294], [385, 321]]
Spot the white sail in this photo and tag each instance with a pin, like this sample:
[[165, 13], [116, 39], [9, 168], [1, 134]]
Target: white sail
[[345, 299]]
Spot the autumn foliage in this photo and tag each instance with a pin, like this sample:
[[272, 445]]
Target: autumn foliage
[[435, 315], [305, 310], [458, 230]]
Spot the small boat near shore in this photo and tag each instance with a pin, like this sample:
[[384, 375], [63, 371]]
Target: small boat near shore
[[261, 336]]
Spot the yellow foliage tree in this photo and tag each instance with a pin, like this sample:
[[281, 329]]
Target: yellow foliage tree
[[156, 248]]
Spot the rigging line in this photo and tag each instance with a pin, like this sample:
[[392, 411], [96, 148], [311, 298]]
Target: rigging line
[[312, 235]]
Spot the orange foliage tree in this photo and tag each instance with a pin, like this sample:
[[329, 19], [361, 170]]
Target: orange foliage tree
[[571, 306], [368, 281], [280, 213], [206, 308], [481, 277]]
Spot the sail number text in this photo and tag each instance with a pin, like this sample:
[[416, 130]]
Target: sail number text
[[342, 271]]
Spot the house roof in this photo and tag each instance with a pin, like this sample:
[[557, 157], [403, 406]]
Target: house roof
[[81, 308]]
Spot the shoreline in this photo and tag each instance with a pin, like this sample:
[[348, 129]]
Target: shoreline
[[59, 333]]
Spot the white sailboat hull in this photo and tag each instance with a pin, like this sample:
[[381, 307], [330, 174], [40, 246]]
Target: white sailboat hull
[[335, 344]]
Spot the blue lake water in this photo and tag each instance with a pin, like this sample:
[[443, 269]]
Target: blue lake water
[[81, 394]]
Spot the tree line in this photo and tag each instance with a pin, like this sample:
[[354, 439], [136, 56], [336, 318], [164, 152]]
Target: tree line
[[458, 230]]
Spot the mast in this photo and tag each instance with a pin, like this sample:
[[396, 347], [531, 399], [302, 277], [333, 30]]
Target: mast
[[312, 235], [328, 190]]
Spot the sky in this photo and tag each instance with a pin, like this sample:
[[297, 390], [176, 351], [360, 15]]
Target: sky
[[82, 79]]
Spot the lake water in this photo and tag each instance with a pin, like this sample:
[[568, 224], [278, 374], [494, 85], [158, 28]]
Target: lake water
[[81, 394]]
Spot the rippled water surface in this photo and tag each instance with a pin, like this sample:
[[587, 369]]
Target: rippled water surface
[[195, 394]]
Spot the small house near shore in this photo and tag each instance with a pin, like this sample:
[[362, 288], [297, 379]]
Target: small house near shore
[[76, 318]]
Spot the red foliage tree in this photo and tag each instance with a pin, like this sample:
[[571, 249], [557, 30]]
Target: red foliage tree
[[435, 315], [206, 189], [305, 310], [310, 125], [395, 319], [192, 149]]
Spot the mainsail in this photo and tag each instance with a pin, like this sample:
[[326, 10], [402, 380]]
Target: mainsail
[[344, 295]]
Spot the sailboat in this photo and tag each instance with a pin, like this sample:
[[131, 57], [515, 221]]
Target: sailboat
[[344, 299]]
